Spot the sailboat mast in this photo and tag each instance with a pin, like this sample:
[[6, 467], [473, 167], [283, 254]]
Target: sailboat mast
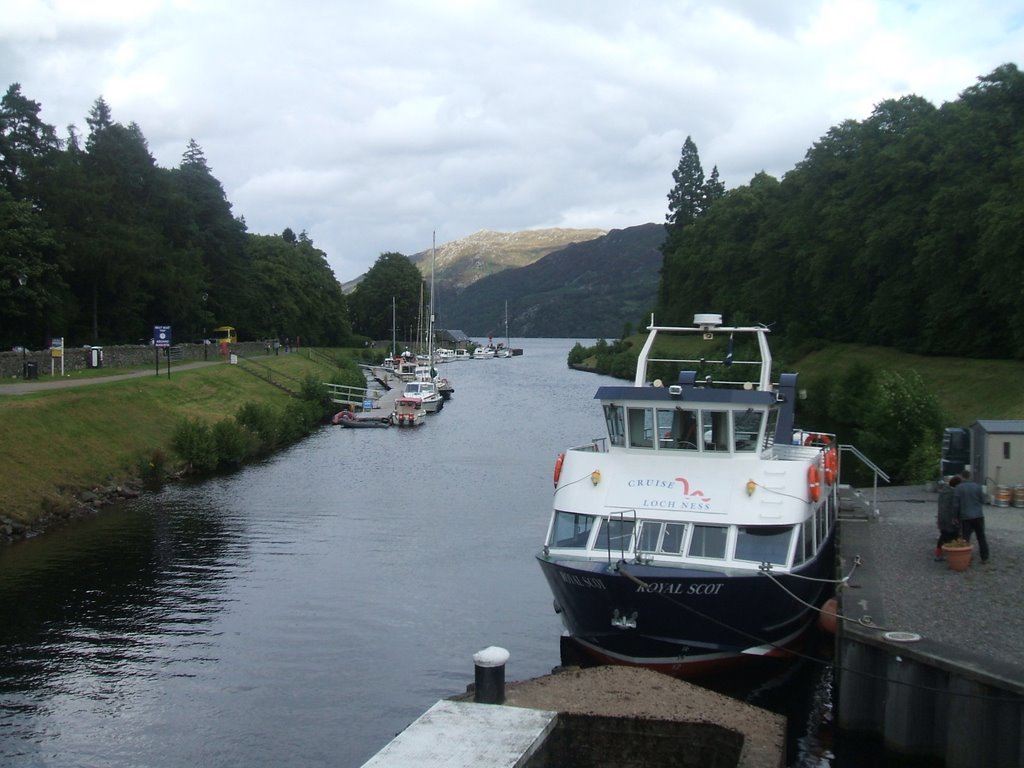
[[430, 324]]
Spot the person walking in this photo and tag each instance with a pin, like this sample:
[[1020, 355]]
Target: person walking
[[968, 508], [946, 516]]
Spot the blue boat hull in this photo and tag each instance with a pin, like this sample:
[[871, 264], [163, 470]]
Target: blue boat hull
[[685, 621]]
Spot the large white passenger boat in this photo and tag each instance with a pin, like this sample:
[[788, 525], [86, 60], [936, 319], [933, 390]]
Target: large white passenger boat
[[699, 530]]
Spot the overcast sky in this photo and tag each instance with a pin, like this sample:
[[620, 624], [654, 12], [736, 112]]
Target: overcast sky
[[372, 124]]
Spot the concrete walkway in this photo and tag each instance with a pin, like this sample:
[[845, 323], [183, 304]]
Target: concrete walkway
[[978, 611], [28, 387]]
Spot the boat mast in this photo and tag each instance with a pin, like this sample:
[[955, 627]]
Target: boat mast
[[430, 321], [394, 343]]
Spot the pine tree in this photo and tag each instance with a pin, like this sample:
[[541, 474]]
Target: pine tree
[[686, 200]]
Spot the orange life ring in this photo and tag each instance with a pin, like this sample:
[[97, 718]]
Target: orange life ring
[[558, 467], [813, 438], [813, 482], [831, 465]]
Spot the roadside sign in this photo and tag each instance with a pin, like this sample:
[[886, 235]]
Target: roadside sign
[[162, 335], [57, 347]]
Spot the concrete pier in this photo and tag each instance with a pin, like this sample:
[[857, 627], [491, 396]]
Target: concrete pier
[[621, 716], [928, 657]]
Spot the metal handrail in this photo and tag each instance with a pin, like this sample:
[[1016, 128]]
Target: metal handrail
[[877, 472], [344, 394]]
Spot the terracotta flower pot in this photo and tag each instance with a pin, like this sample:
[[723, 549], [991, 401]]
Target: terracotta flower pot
[[958, 558]]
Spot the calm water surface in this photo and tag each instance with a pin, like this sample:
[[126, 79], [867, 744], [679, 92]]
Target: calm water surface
[[304, 610]]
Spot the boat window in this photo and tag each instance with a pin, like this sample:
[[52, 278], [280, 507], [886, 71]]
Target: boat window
[[708, 541], [798, 553], [747, 428], [649, 534], [716, 430], [641, 427], [769, 432], [808, 538], [677, 429], [666, 437], [763, 543], [616, 424], [571, 530], [615, 535], [672, 541]]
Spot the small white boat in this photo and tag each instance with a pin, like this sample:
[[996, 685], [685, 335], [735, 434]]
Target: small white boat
[[426, 393], [484, 353], [408, 412]]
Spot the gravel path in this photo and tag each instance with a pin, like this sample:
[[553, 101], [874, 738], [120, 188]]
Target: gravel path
[[979, 610]]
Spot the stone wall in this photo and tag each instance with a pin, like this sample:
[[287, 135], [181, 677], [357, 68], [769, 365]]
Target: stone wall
[[12, 364]]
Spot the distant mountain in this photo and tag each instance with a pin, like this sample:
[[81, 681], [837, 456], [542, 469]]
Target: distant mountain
[[589, 289], [460, 263]]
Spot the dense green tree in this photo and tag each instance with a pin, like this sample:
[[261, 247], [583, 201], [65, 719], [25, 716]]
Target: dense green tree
[[301, 298], [30, 281], [26, 144], [898, 230], [686, 199], [392, 277], [200, 221]]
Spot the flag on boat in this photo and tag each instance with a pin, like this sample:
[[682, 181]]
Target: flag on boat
[[728, 352]]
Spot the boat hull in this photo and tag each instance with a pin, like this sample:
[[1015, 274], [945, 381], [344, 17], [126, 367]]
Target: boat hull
[[365, 423], [682, 621]]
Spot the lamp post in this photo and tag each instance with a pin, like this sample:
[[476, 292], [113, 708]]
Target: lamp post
[[206, 345], [22, 280]]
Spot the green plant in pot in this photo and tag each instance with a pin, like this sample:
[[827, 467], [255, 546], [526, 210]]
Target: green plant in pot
[[957, 553]]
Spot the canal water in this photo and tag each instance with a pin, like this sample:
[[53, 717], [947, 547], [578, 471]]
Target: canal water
[[307, 608]]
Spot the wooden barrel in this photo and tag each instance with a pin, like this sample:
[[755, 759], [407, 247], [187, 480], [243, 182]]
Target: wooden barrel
[[1002, 498], [1018, 496]]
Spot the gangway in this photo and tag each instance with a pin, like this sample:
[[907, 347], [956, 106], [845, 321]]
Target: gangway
[[344, 394]]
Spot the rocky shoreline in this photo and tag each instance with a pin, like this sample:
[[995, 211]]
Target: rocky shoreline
[[86, 504]]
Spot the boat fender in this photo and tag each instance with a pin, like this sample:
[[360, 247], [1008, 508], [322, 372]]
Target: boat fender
[[813, 482], [558, 467]]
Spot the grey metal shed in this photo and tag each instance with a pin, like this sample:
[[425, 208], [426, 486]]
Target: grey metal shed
[[997, 453]]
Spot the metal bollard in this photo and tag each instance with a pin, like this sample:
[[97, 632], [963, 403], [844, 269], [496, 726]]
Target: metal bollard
[[490, 675]]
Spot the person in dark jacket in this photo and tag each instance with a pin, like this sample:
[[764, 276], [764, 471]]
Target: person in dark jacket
[[946, 517], [969, 509]]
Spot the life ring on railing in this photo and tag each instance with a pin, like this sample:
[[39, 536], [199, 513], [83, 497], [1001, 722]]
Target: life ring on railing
[[831, 465], [813, 482], [558, 467], [813, 438]]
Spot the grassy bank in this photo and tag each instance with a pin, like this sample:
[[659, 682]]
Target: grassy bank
[[54, 444]]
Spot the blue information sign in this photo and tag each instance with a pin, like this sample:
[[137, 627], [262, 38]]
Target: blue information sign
[[162, 335]]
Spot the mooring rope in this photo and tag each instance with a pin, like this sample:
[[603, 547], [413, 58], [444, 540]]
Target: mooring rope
[[864, 621]]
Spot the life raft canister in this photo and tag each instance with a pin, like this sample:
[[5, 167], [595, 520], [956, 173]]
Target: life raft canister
[[813, 482], [558, 467]]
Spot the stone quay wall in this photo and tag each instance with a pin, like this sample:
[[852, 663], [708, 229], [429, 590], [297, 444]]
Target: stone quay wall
[[13, 364]]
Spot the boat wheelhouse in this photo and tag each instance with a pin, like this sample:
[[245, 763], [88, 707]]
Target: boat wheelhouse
[[696, 532]]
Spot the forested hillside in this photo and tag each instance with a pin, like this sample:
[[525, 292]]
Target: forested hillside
[[905, 230], [597, 288], [99, 244]]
